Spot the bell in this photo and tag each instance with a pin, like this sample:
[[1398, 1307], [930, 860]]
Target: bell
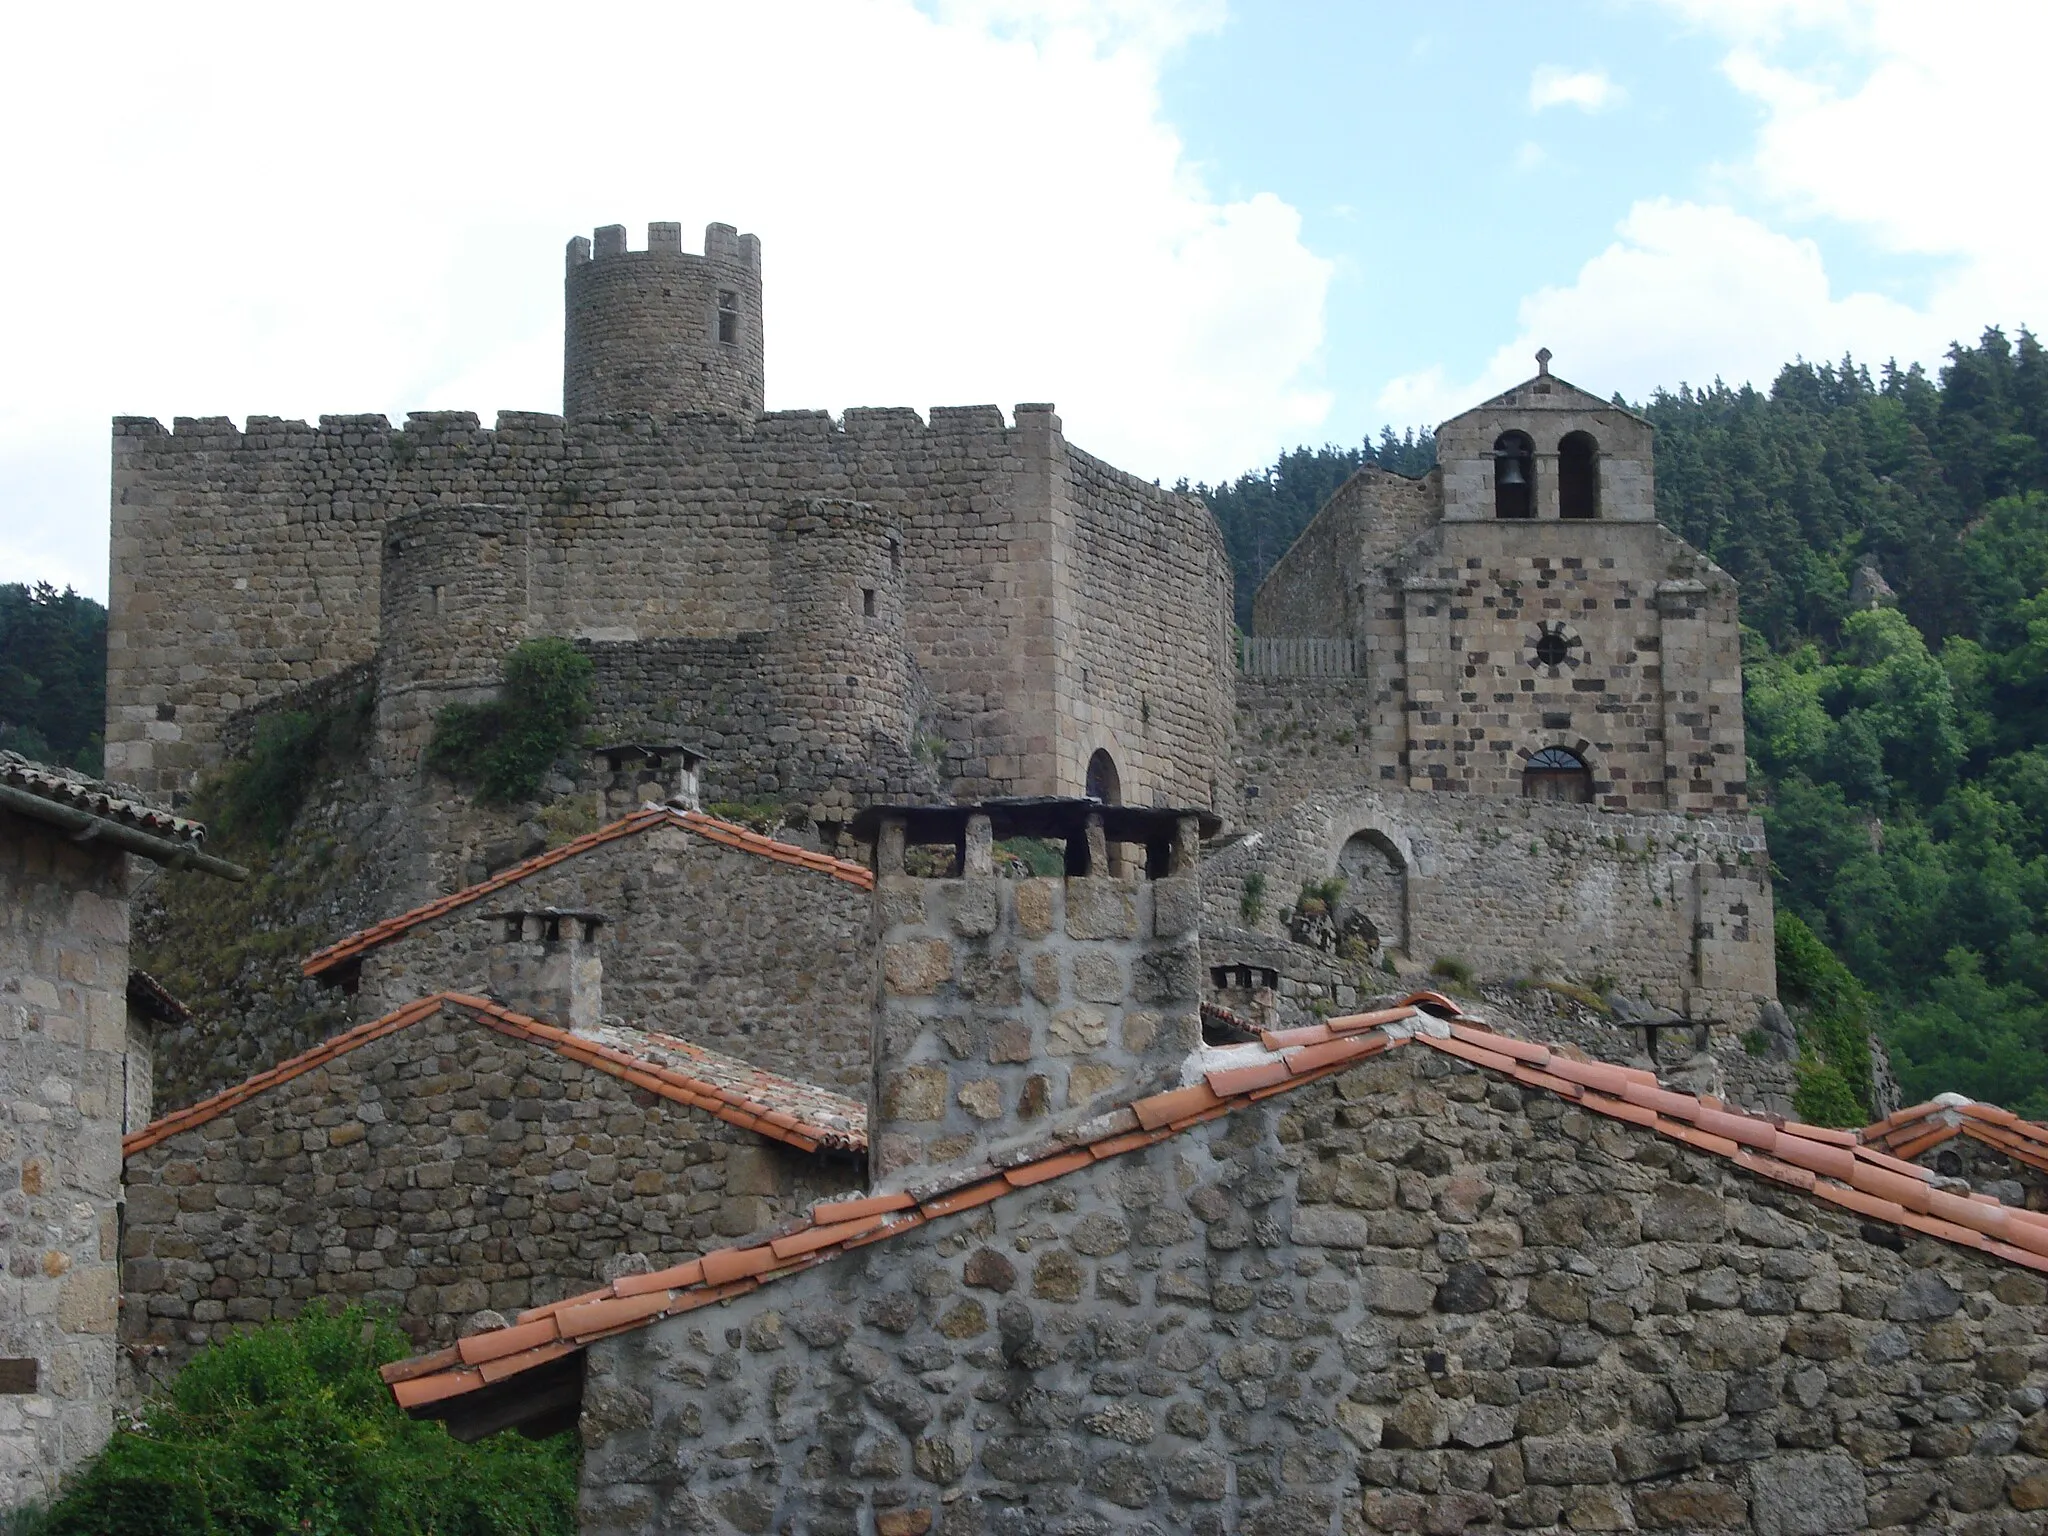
[[1511, 470]]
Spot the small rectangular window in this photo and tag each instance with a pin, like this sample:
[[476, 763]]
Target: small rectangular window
[[728, 316], [867, 601]]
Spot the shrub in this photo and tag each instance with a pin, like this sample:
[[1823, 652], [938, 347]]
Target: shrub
[[1450, 968], [505, 747], [259, 797], [289, 1429]]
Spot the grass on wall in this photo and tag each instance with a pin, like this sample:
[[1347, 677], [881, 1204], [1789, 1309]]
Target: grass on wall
[[504, 748]]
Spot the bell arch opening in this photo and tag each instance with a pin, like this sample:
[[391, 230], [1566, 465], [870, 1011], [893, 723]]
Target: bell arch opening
[[1558, 773], [1514, 475], [1578, 476], [1104, 782], [1374, 906]]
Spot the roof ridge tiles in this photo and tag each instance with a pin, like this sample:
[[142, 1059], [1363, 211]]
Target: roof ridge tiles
[[748, 1114], [1855, 1177], [642, 820]]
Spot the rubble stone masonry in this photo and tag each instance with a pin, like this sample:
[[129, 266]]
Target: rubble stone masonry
[[730, 950], [438, 1171], [1416, 1298], [63, 1053]]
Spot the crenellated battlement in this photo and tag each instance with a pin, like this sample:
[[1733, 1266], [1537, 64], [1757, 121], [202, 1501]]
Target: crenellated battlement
[[662, 329], [722, 243]]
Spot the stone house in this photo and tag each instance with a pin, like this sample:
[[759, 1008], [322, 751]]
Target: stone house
[[1394, 1271], [460, 1156], [713, 932], [74, 1073]]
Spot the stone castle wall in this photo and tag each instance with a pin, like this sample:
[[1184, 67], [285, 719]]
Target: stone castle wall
[[437, 1172], [767, 962], [1676, 909], [1149, 640], [64, 1037], [1413, 1299], [248, 564]]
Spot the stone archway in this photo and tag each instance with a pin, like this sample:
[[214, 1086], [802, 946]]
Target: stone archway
[[1375, 886]]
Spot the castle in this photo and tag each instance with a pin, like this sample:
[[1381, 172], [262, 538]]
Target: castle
[[1502, 702], [1103, 1197]]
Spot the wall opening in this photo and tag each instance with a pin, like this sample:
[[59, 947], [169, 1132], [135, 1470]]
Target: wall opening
[[1578, 476], [1557, 773], [1374, 906], [1104, 782], [728, 316], [867, 601], [1514, 475]]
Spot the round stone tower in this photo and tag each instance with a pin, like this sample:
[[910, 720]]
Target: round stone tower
[[662, 330]]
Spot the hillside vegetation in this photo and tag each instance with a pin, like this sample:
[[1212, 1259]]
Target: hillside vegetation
[[1899, 752]]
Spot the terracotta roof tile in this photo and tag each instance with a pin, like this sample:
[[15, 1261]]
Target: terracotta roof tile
[[803, 1116], [113, 802], [645, 819], [1854, 1177], [1910, 1132]]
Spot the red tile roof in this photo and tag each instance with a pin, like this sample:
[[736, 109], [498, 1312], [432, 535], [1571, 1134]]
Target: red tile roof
[[778, 1107], [645, 819], [1910, 1132], [1830, 1165], [62, 786]]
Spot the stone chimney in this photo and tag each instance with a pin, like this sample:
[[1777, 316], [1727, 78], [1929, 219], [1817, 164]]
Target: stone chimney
[[544, 964], [634, 773], [1010, 1010]]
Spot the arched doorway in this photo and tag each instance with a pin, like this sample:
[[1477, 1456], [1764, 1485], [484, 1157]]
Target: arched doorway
[[1557, 773], [1375, 889], [1104, 783]]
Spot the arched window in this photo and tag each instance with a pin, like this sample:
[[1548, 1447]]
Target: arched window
[[1514, 475], [1578, 476], [1104, 783], [1556, 773]]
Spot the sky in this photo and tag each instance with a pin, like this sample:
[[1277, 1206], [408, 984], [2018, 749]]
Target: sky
[[1209, 230]]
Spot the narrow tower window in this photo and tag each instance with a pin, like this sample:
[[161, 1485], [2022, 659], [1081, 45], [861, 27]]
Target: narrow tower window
[[728, 316], [867, 601], [1578, 476], [1514, 475]]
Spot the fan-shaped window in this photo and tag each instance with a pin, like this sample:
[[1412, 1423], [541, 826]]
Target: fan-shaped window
[[1556, 773], [1514, 475], [1104, 783], [1578, 476]]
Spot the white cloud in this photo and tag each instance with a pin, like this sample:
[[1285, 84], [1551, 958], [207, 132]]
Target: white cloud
[[1590, 90], [1878, 118], [1685, 293], [277, 211]]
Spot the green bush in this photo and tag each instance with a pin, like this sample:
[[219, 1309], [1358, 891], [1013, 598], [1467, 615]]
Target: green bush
[[1833, 1012], [258, 798], [289, 1429], [505, 747]]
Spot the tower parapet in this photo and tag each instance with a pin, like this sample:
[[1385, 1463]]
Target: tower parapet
[[662, 330]]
